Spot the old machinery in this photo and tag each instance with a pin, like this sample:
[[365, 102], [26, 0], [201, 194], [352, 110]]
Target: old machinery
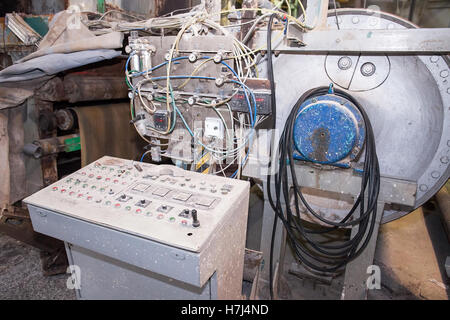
[[196, 96], [143, 231], [367, 149], [405, 96], [357, 110]]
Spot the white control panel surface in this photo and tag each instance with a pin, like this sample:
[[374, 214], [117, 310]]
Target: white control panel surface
[[157, 202]]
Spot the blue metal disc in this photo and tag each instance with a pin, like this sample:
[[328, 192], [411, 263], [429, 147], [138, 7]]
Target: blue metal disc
[[327, 129]]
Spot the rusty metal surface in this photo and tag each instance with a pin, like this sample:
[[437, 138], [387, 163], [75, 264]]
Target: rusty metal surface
[[247, 16], [443, 200], [252, 262], [105, 130], [84, 88], [11, 98], [162, 7], [52, 90], [11, 44], [54, 145]]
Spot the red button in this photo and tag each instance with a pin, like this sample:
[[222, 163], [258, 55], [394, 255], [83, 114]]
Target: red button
[[117, 205], [184, 222], [107, 179], [115, 181], [80, 195], [99, 177], [91, 175], [160, 216], [89, 198], [63, 190], [138, 210], [55, 188], [83, 173], [71, 193]]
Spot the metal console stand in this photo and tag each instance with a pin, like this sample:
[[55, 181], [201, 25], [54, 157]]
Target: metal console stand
[[392, 191]]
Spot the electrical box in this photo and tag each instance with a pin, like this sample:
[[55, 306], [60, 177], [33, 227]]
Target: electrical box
[[160, 119], [214, 128]]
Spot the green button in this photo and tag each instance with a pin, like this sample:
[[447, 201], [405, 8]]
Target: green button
[[85, 185], [149, 214], [102, 189], [128, 208], [108, 203], [172, 219]]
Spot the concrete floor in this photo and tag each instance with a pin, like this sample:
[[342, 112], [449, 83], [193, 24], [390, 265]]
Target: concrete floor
[[21, 274], [410, 252]]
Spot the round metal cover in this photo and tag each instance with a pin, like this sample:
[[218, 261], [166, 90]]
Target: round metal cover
[[407, 99], [326, 129]]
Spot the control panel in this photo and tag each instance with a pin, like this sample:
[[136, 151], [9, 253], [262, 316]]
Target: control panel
[[163, 203]]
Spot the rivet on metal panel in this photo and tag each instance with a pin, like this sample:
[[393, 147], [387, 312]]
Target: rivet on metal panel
[[177, 256], [435, 174], [344, 63], [434, 59]]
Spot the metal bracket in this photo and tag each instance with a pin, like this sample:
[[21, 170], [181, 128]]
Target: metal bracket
[[398, 41]]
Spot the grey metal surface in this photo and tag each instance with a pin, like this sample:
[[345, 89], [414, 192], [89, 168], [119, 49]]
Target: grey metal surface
[[347, 182], [355, 283], [102, 277], [408, 110], [205, 45], [149, 255], [266, 233], [413, 41], [178, 253]]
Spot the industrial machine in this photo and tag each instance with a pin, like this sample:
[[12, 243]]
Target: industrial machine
[[359, 108], [142, 231], [341, 117]]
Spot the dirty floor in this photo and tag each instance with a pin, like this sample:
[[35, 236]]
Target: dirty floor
[[410, 252]]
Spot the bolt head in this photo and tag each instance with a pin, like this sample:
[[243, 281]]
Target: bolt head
[[368, 69]]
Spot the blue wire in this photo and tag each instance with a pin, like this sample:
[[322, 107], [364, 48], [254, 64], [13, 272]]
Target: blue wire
[[252, 116], [158, 66], [142, 158], [245, 87]]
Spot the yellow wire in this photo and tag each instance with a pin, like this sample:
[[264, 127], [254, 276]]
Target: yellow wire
[[194, 72], [303, 9]]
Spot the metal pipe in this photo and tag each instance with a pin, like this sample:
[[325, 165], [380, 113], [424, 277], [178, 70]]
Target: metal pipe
[[44, 147]]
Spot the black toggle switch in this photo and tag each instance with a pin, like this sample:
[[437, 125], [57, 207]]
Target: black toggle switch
[[195, 222]]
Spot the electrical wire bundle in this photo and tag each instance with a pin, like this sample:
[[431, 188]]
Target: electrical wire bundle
[[244, 61], [320, 256], [217, 152]]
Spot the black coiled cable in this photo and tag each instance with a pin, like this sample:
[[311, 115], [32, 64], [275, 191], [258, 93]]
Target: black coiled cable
[[316, 255]]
